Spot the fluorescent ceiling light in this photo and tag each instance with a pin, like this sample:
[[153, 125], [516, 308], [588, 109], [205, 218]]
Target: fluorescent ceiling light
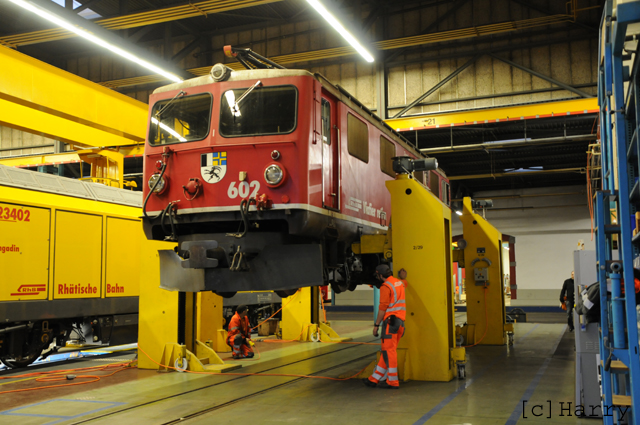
[[458, 212], [338, 27], [169, 130], [87, 35]]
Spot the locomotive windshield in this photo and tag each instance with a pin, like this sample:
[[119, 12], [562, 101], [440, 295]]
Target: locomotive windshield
[[265, 110], [182, 119]]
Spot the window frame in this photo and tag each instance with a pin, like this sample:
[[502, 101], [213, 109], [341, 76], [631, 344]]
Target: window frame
[[188, 141], [260, 134], [368, 141], [395, 151]]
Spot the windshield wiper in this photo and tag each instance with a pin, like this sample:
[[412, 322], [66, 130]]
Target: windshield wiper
[[164, 108], [234, 108]]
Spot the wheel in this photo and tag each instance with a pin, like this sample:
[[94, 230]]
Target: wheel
[[284, 293], [461, 372], [20, 362], [338, 287], [510, 339]]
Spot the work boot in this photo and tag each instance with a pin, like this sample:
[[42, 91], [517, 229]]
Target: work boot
[[236, 356], [249, 355], [385, 386], [368, 383]]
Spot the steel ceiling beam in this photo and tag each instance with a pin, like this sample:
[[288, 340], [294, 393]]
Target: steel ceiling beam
[[454, 7], [576, 170], [135, 20], [509, 144], [438, 86], [542, 76], [396, 43]]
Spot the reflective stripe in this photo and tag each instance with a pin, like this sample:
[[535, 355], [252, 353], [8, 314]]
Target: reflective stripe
[[395, 294], [376, 376], [234, 328], [380, 369], [396, 308], [392, 378], [393, 370]]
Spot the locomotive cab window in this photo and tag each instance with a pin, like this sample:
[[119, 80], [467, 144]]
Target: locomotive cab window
[[357, 138], [387, 151], [182, 119], [258, 112]]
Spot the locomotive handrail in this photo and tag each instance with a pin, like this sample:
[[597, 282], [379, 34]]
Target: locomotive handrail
[[224, 146]]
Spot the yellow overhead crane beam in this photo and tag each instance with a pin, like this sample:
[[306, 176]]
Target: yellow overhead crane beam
[[41, 99], [493, 115], [168, 14]]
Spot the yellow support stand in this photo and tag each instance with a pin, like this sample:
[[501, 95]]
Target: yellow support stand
[[422, 246], [301, 318], [204, 360], [210, 322], [483, 260], [159, 317]]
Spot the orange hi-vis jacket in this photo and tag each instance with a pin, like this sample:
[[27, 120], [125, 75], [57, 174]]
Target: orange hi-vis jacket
[[392, 298], [239, 326]]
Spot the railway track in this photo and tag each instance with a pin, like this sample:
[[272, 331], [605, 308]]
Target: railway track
[[301, 362]]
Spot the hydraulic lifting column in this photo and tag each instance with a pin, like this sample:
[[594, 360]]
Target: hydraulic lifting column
[[421, 241], [481, 251]]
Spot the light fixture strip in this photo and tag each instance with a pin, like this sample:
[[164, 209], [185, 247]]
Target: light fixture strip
[[341, 29], [94, 39]]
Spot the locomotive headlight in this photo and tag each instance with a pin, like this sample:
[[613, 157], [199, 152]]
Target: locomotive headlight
[[160, 187], [274, 175]]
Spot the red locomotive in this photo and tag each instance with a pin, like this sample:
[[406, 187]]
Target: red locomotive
[[266, 177]]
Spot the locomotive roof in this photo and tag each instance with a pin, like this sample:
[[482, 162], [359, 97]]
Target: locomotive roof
[[338, 91], [41, 182], [248, 74]]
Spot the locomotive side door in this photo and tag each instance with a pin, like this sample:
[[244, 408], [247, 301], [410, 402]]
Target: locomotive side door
[[330, 154]]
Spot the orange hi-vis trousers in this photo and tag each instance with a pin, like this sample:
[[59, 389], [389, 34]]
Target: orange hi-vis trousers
[[388, 364]]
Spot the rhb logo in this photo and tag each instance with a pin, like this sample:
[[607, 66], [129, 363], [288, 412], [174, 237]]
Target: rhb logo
[[29, 290], [213, 166]]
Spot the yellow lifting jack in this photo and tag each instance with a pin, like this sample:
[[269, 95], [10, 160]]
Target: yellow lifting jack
[[302, 319], [480, 253], [184, 330], [421, 245]]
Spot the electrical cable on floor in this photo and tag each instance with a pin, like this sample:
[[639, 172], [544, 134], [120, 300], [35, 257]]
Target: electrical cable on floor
[[61, 375]]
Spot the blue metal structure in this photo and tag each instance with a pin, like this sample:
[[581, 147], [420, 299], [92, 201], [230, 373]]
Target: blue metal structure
[[616, 248]]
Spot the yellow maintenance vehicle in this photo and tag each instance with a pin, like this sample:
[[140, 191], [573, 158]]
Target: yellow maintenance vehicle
[[69, 263]]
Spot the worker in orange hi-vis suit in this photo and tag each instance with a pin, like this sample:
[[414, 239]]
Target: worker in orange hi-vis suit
[[240, 334], [392, 312]]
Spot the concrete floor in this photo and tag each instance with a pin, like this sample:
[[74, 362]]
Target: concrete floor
[[537, 368]]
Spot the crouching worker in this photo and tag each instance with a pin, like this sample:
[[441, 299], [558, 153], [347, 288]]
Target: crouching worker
[[240, 334], [391, 316]]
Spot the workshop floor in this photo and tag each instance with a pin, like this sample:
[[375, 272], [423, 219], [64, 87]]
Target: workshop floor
[[500, 380]]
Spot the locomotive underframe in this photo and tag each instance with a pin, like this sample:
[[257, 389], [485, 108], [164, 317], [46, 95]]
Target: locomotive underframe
[[284, 249], [29, 329]]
